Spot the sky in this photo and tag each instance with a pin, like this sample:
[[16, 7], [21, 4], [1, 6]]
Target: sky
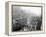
[[29, 10]]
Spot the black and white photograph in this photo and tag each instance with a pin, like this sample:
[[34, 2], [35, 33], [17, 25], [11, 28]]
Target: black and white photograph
[[26, 18]]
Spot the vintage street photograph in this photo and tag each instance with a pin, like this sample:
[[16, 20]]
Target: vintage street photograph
[[26, 18]]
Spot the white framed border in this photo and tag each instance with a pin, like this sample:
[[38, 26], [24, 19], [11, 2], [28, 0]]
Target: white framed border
[[30, 4]]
